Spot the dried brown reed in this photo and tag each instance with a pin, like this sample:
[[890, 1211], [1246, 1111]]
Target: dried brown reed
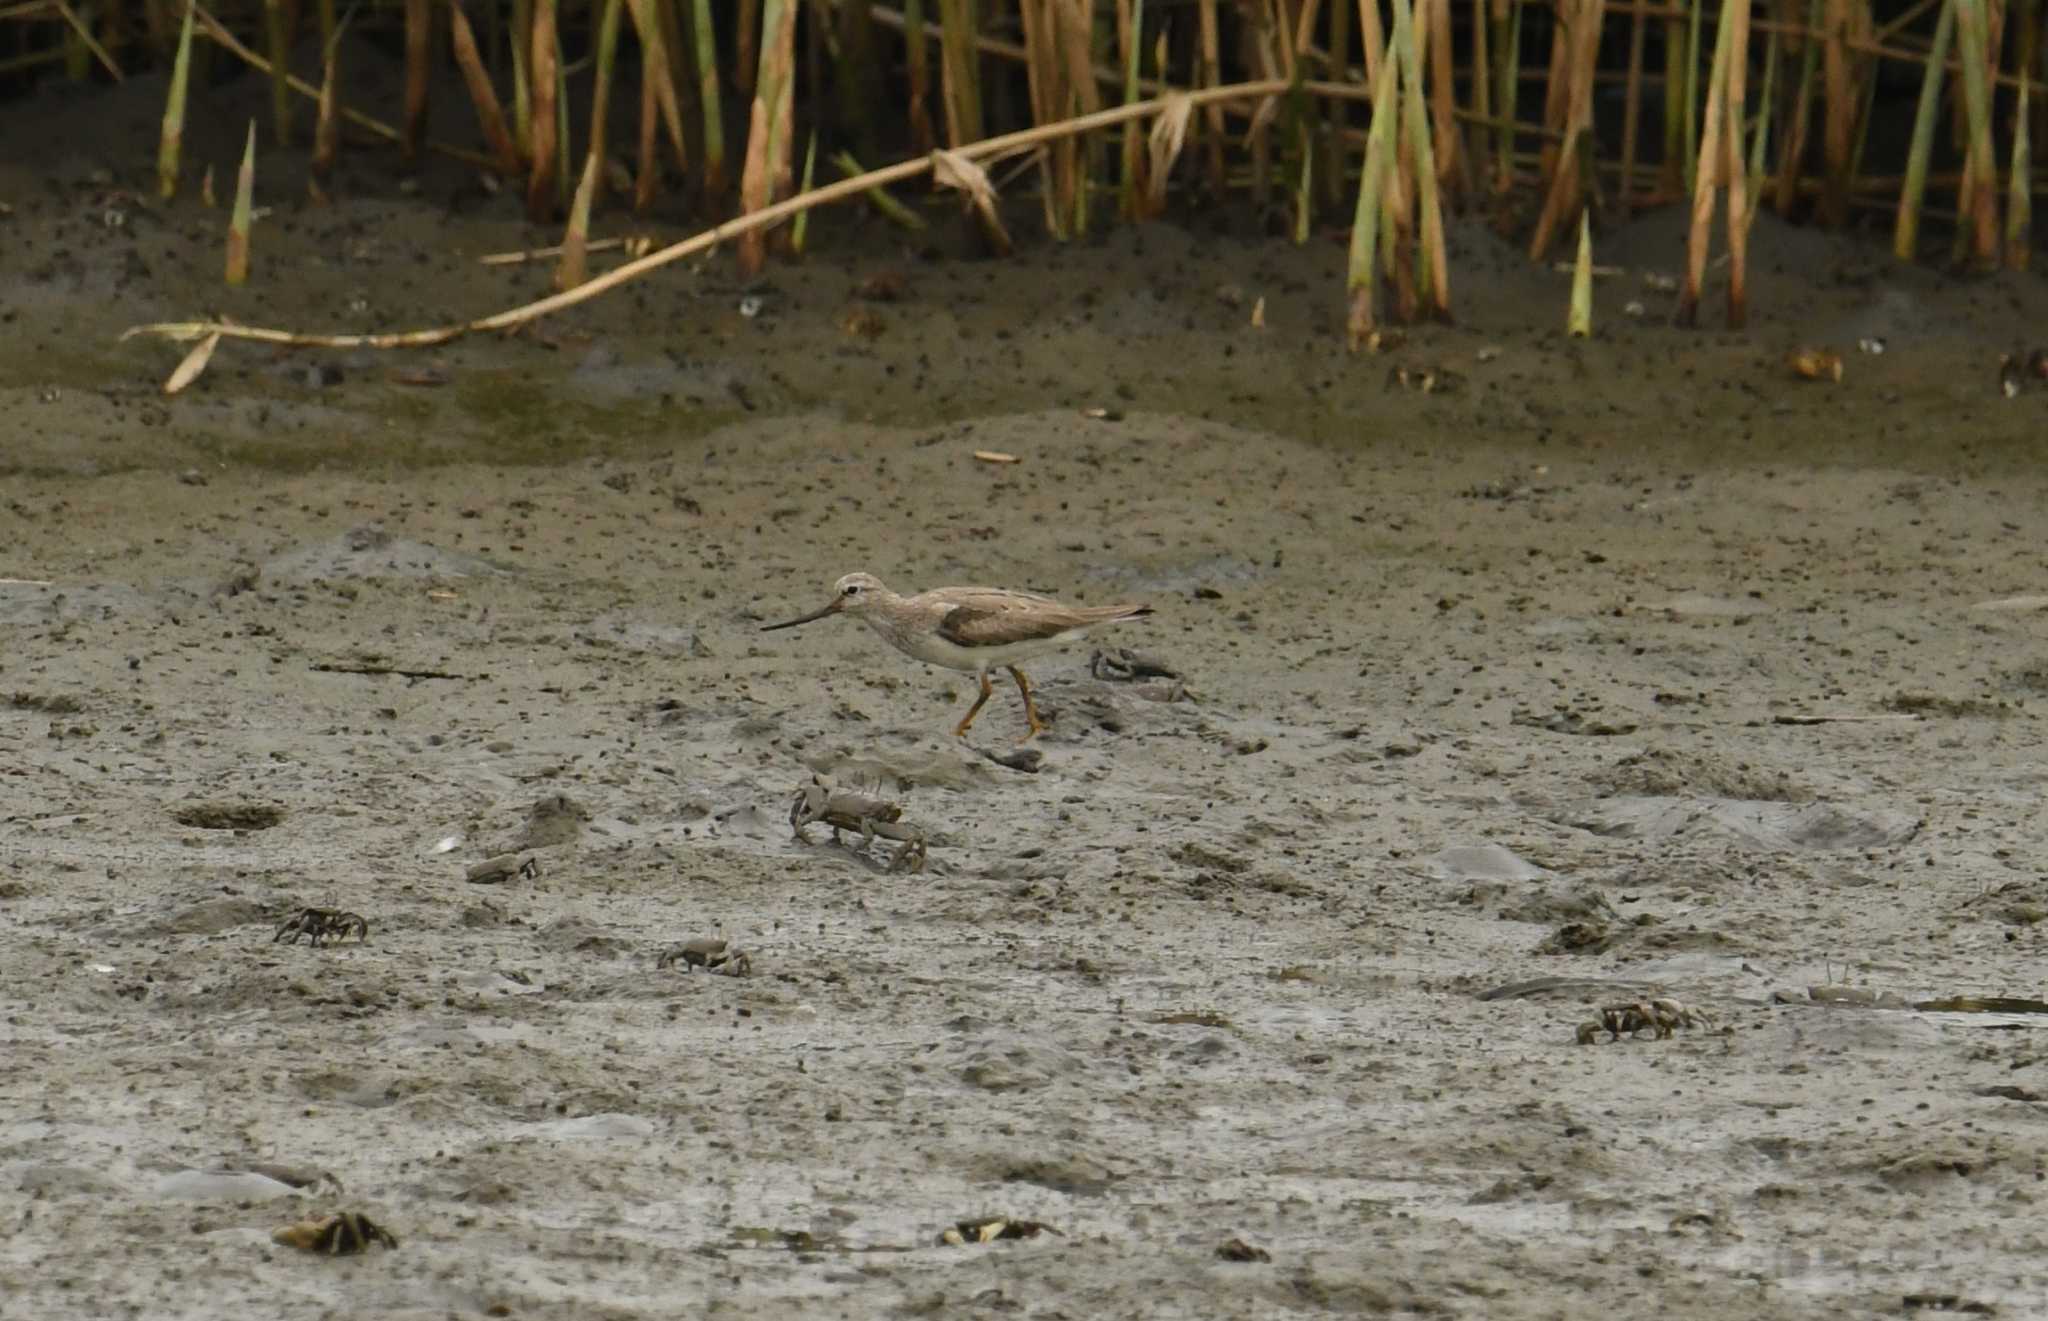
[[1467, 99]]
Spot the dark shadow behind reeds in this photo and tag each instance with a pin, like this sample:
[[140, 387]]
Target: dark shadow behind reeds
[[1550, 118]]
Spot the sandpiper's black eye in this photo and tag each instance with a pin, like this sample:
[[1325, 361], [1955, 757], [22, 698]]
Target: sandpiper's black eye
[[852, 589]]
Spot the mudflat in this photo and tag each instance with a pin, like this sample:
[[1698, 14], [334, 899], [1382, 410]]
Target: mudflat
[[1597, 673]]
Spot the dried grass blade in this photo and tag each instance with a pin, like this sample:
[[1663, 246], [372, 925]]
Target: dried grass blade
[[1169, 135], [192, 364], [950, 169]]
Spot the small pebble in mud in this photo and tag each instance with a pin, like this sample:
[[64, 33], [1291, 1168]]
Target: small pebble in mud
[[1236, 1249]]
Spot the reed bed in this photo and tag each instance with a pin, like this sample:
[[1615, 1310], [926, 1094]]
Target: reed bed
[[1548, 120]]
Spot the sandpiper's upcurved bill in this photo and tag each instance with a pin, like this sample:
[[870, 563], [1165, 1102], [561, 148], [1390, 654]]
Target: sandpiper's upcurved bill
[[971, 629]]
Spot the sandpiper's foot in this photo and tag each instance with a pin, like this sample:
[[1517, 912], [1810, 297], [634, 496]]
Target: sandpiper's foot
[[1037, 726], [960, 730]]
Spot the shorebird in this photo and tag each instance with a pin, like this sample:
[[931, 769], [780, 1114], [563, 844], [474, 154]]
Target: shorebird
[[971, 629]]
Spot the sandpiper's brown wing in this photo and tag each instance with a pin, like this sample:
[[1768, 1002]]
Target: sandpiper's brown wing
[[991, 617]]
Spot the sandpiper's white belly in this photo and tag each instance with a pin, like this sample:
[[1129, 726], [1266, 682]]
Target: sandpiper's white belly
[[935, 650]]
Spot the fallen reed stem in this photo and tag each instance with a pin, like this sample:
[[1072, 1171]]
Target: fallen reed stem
[[991, 148]]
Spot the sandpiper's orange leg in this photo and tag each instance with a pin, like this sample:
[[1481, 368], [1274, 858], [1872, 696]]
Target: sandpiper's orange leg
[[1030, 707], [960, 730]]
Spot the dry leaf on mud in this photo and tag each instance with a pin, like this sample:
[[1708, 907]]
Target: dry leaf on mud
[[194, 363]]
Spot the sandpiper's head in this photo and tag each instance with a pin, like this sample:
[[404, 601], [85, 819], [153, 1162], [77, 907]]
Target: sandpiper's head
[[854, 594]]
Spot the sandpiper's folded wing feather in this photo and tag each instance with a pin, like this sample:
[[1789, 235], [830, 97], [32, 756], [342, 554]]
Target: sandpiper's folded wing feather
[[993, 618], [979, 626]]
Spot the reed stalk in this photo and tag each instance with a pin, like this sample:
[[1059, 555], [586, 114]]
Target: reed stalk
[[1507, 23], [1582, 54], [879, 198], [1906, 227], [647, 162], [1432, 261], [1578, 322], [1362, 276], [572, 268], [490, 115], [1711, 155], [1839, 127], [419, 42], [1980, 200], [1802, 107], [1632, 107], [564, 150], [1210, 74], [542, 131], [707, 96], [1735, 15], [2019, 214], [1760, 146], [237, 271], [1671, 172], [600, 101], [1452, 174], [799, 229], [1331, 167], [326, 124], [1482, 82], [663, 62], [1557, 91], [522, 77], [961, 72], [747, 33], [918, 68], [766, 172], [1694, 9], [858, 77], [1130, 15], [278, 45], [171, 139]]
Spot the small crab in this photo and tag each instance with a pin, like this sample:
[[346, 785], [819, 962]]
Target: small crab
[[870, 814], [710, 953], [988, 1231], [1661, 1016], [341, 1235], [1127, 663], [322, 924]]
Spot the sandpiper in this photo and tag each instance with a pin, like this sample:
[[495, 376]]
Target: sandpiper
[[972, 629]]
